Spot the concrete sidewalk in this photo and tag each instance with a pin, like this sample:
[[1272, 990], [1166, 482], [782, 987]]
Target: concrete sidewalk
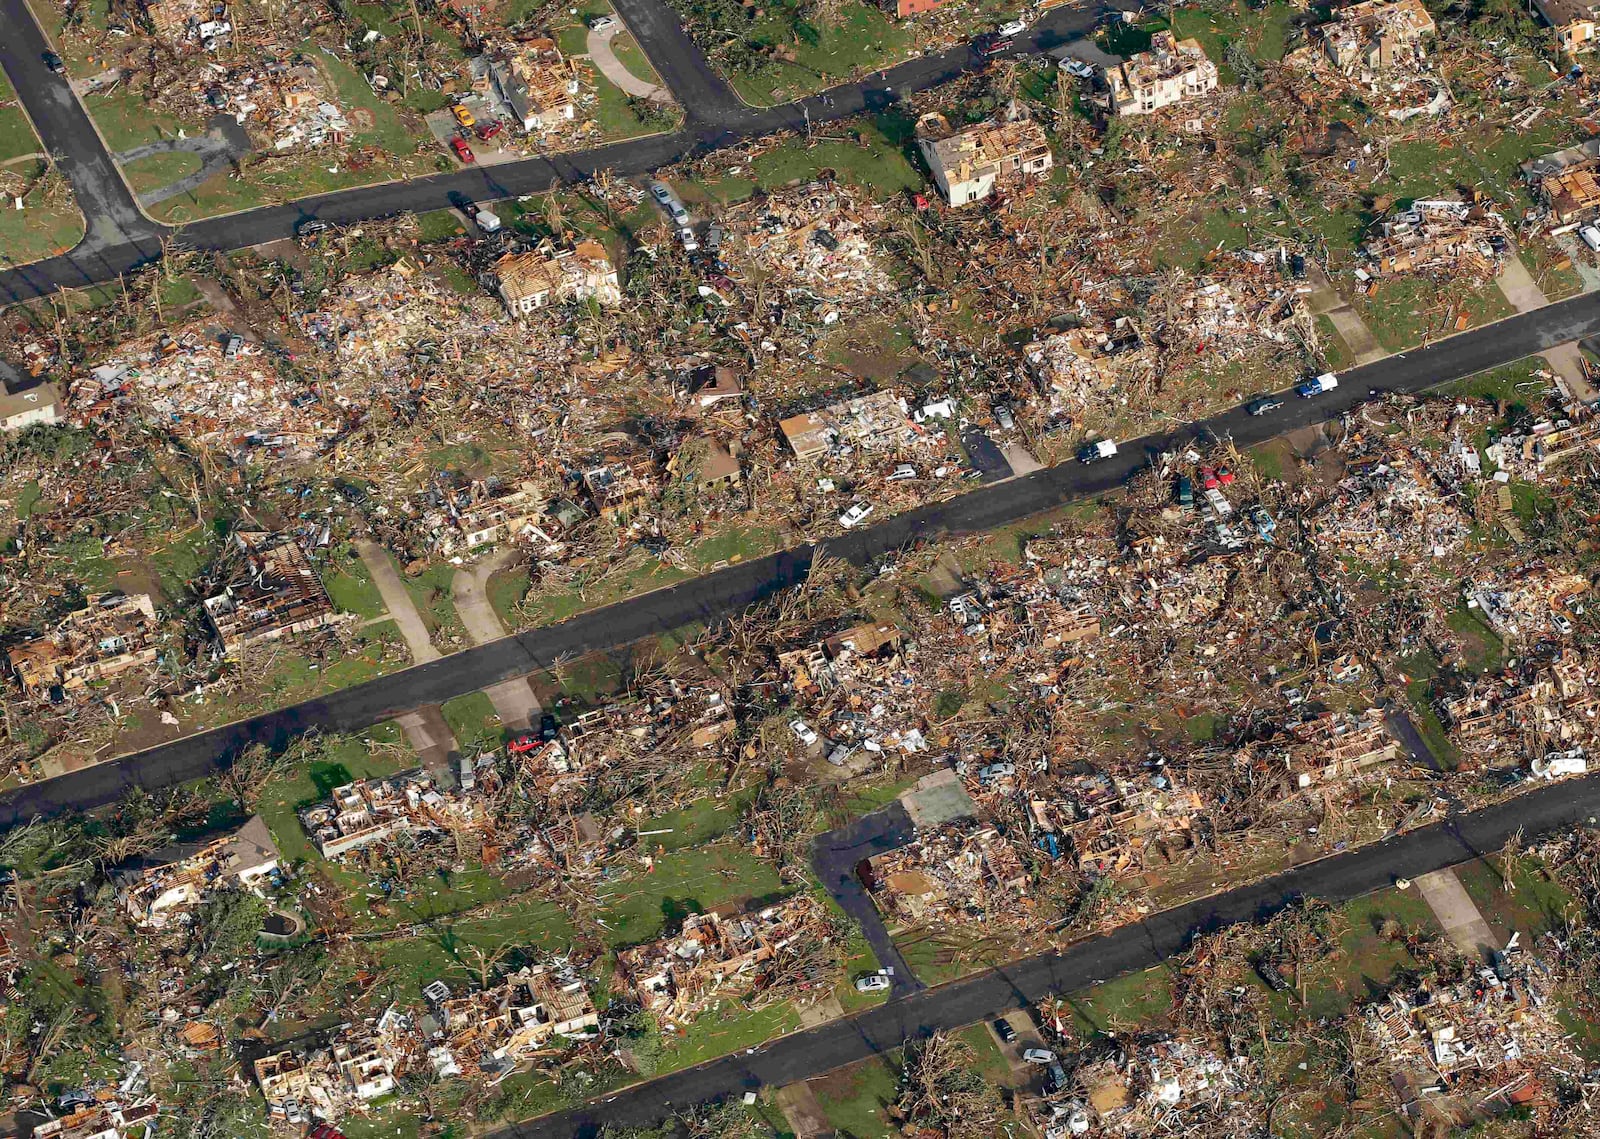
[[1518, 287], [1457, 913], [514, 700]]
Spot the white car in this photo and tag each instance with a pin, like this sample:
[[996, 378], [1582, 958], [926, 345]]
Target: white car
[[856, 515], [602, 23], [1591, 237], [802, 732], [996, 771], [1039, 1056], [901, 473], [690, 243], [1563, 626], [1012, 28], [1078, 68], [872, 983]]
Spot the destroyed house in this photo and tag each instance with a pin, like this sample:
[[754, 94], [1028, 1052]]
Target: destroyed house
[[1567, 182], [532, 279], [1436, 232], [617, 484], [972, 164], [358, 814], [530, 82], [1574, 22], [111, 634], [879, 421], [677, 975], [1338, 745], [102, 1121], [706, 463], [955, 873], [329, 1075], [278, 594], [501, 1029], [1116, 823], [493, 513], [1172, 71], [172, 881], [1375, 36]]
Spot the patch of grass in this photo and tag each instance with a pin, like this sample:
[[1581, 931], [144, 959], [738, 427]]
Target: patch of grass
[[350, 586], [158, 170], [648, 905], [445, 950], [701, 821], [1119, 1004], [736, 544], [873, 162], [726, 1028], [862, 38], [439, 225], [1482, 649], [1504, 384], [431, 594], [1534, 905], [16, 133], [506, 590], [854, 1098], [473, 722], [1406, 310], [44, 226]]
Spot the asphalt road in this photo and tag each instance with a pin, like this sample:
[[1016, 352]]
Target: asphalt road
[[704, 600], [705, 97], [835, 856], [1556, 807], [114, 220], [714, 122]]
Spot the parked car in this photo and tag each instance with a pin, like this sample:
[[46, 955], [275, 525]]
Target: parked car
[[523, 744], [1003, 1029], [901, 473], [1208, 478], [54, 62], [1317, 385], [1263, 405], [602, 23], [1003, 416], [1591, 236], [486, 131], [1563, 626], [996, 771], [803, 732], [1225, 476], [668, 200], [463, 116], [548, 728], [1012, 28], [1094, 452], [856, 515], [690, 243], [233, 347], [1078, 68], [325, 1131], [292, 1111], [873, 983], [1039, 1056], [1185, 491], [463, 151], [312, 226]]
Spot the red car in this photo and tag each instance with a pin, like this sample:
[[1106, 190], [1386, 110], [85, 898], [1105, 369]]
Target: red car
[[489, 130], [463, 151], [1208, 478], [325, 1131], [524, 744], [1224, 476]]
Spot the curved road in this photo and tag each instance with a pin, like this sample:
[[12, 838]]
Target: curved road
[[707, 599], [715, 119]]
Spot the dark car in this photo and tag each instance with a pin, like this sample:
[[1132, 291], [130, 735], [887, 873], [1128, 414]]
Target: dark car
[[1003, 1029], [1185, 491], [1271, 975], [548, 729], [54, 62], [1263, 405], [312, 226]]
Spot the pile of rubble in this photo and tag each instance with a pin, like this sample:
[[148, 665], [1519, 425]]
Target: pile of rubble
[[1376, 51], [821, 240], [1454, 238]]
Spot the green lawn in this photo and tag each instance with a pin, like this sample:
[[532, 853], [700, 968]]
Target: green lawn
[[350, 586], [1406, 310], [874, 162], [473, 722], [278, 674], [430, 592], [49, 222], [647, 905], [854, 1099], [16, 133], [158, 170], [864, 39], [446, 948]]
